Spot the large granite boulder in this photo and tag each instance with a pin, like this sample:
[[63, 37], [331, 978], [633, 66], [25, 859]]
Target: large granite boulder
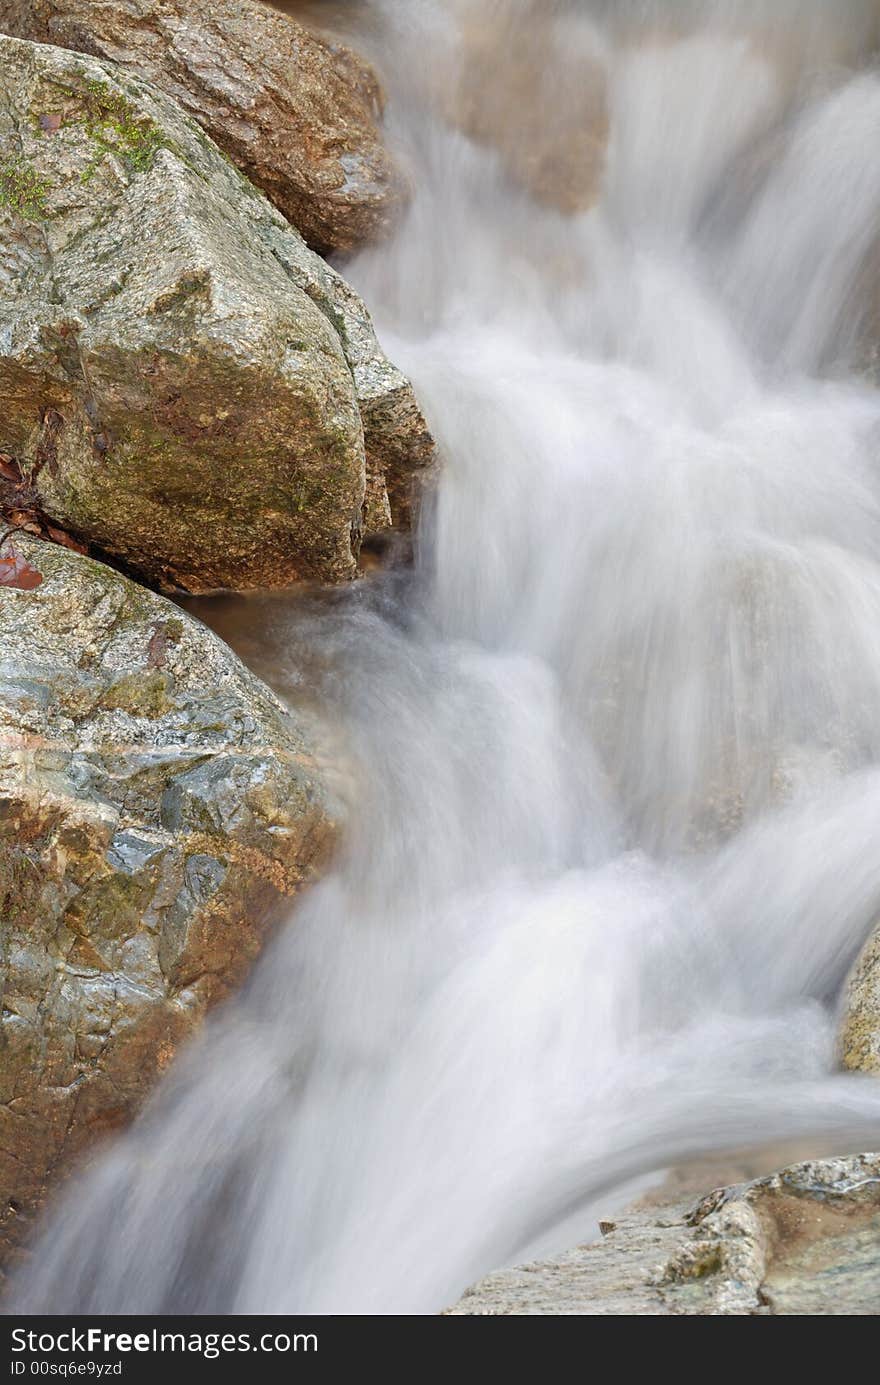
[[183, 383], [158, 807], [298, 115]]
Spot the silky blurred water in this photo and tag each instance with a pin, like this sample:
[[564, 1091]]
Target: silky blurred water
[[612, 749]]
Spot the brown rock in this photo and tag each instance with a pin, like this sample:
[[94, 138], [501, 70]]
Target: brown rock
[[531, 86], [157, 809], [299, 116]]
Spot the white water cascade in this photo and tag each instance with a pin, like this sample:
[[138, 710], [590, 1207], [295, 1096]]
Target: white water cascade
[[613, 746]]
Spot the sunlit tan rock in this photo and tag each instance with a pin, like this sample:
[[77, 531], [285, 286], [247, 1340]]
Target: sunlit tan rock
[[157, 808]]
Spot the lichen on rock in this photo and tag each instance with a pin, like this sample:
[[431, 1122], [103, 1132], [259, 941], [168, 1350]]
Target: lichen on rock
[[184, 383], [22, 190], [298, 115]]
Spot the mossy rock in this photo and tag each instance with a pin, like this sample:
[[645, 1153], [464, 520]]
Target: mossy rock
[[298, 114], [184, 384]]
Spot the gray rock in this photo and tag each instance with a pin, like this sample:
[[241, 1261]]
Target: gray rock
[[298, 115], [860, 1022], [184, 384], [158, 807], [803, 1242]]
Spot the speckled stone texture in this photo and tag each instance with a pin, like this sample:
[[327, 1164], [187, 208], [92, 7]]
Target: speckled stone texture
[[184, 384], [158, 809], [803, 1242], [860, 1022], [298, 115]]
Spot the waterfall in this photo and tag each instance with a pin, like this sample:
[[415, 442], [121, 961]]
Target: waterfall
[[612, 744]]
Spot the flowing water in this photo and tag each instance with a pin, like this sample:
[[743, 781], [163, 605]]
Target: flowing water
[[612, 748]]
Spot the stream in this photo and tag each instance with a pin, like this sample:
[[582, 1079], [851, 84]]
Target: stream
[[609, 739]]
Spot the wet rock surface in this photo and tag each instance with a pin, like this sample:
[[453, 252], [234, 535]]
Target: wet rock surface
[[158, 809]]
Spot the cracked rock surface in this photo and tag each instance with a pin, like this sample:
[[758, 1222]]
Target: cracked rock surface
[[803, 1242], [298, 115], [185, 385], [158, 807]]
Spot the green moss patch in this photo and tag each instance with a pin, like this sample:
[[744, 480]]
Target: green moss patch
[[139, 694], [114, 127], [23, 190]]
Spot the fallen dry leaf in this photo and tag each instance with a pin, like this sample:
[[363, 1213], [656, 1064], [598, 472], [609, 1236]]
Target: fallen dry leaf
[[157, 649], [66, 540], [16, 571]]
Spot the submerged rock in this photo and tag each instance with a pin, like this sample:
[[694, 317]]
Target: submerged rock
[[183, 382], [532, 85], [299, 116], [157, 808], [803, 1242], [860, 1025]]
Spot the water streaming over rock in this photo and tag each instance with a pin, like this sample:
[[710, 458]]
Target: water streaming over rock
[[614, 746]]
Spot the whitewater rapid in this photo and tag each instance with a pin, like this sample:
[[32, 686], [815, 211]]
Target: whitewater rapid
[[611, 747]]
